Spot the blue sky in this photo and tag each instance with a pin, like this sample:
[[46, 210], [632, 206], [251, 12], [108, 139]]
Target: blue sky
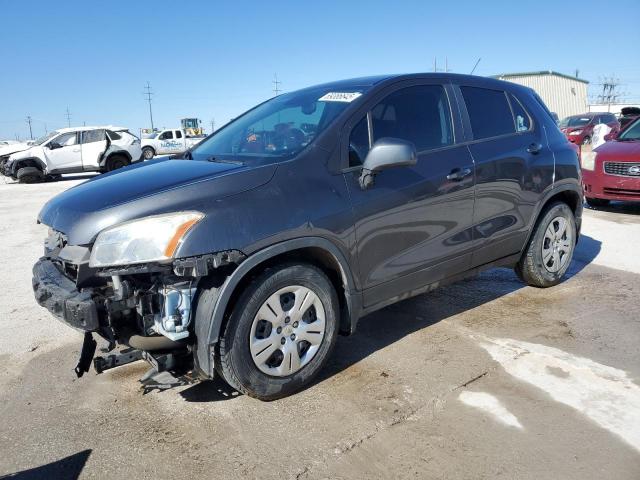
[[216, 59]]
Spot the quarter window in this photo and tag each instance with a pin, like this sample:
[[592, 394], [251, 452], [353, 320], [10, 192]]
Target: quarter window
[[520, 115], [418, 114], [489, 112], [114, 135]]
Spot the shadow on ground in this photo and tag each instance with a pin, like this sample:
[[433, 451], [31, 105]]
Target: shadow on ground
[[68, 468], [389, 325]]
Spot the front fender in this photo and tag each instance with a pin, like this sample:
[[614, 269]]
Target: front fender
[[209, 318]]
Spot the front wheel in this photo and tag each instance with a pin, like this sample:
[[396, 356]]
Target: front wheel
[[550, 249], [280, 333]]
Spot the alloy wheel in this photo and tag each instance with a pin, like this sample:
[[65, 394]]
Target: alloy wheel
[[557, 244]]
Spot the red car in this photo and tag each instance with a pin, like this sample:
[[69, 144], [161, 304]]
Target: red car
[[612, 171], [579, 128]]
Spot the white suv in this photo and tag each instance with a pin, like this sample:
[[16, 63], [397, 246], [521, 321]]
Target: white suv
[[73, 150]]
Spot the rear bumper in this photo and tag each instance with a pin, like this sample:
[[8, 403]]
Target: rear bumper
[[58, 294], [597, 184]]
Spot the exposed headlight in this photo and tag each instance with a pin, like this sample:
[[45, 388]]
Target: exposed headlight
[[150, 239], [588, 160], [575, 132]]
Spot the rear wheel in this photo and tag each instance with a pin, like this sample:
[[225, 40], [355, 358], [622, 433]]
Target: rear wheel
[[280, 333], [148, 153], [30, 175], [550, 249], [116, 161], [598, 202]]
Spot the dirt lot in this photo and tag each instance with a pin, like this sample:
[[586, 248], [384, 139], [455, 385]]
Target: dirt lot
[[482, 379]]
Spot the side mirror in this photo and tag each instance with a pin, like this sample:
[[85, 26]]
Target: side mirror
[[54, 145], [386, 153], [611, 136]]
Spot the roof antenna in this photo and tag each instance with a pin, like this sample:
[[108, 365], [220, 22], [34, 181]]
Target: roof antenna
[[474, 67]]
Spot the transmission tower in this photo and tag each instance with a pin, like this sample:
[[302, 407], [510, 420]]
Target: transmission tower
[[68, 115], [276, 85]]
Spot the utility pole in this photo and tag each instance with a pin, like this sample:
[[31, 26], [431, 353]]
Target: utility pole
[[610, 93], [148, 94], [30, 131], [276, 85], [213, 125], [68, 115]]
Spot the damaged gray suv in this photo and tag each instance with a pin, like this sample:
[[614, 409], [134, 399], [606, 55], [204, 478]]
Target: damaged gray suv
[[249, 255]]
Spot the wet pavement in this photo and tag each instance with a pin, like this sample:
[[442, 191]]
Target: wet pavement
[[481, 379]]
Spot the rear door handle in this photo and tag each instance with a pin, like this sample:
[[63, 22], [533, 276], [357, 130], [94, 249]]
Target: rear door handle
[[534, 148], [458, 174]]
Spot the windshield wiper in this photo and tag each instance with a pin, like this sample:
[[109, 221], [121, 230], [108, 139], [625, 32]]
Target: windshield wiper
[[221, 160]]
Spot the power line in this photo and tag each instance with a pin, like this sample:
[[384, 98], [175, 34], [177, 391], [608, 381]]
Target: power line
[[276, 85], [68, 115], [30, 131], [148, 94]]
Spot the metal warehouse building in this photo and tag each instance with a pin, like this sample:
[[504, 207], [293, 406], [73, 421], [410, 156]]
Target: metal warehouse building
[[563, 94]]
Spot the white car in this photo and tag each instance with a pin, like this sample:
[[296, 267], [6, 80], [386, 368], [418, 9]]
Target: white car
[[73, 150], [170, 141]]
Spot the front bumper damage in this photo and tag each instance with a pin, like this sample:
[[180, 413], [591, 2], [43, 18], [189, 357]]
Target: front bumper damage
[[146, 309]]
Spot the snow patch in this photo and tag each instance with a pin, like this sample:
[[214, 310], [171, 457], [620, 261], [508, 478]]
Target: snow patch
[[604, 394], [491, 405]]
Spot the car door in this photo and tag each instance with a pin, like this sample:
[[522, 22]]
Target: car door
[[63, 153], [94, 144], [513, 166], [413, 225], [165, 142]]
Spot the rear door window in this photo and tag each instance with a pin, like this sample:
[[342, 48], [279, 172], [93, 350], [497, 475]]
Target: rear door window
[[91, 136], [418, 114], [489, 112], [178, 134], [168, 135]]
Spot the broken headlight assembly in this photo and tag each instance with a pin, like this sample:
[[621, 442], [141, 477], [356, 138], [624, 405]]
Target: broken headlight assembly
[[150, 239]]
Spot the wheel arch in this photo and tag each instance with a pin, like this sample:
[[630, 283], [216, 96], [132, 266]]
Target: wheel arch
[[28, 162], [568, 193], [317, 251]]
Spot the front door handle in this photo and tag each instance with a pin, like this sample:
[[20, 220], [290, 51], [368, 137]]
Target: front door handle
[[458, 174], [534, 148]]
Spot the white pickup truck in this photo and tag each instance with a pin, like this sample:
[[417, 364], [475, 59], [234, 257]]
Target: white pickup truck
[[169, 141]]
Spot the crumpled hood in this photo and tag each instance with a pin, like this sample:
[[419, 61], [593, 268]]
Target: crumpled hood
[[10, 149], [149, 188]]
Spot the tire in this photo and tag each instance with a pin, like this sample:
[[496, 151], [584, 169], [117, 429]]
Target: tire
[[275, 373], [597, 202], [148, 153], [30, 175], [586, 140], [116, 161], [543, 263]]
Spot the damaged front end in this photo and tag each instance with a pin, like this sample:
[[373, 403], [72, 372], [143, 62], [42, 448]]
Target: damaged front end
[[145, 309]]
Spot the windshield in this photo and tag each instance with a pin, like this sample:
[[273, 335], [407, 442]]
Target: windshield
[[49, 135], [632, 132], [575, 122], [279, 128]]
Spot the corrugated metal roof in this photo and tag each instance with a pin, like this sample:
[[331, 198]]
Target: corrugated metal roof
[[541, 72]]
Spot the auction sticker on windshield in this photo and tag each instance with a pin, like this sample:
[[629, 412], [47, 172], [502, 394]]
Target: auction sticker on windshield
[[340, 97]]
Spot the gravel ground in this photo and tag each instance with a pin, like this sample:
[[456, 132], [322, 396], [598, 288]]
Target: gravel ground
[[481, 379]]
